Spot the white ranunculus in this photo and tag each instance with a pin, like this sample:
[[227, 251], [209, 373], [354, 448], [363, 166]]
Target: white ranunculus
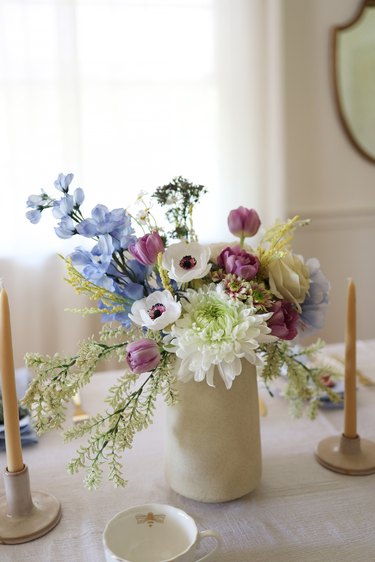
[[186, 261], [289, 278], [156, 311]]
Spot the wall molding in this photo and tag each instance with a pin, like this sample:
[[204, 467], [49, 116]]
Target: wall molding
[[340, 219]]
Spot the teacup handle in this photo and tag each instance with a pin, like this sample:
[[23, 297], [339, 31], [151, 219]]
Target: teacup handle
[[208, 533]]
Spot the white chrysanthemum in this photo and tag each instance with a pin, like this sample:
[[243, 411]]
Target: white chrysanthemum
[[156, 311], [216, 330], [185, 262]]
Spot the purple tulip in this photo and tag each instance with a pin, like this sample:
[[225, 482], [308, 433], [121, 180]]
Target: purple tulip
[[142, 355], [243, 222], [283, 322], [146, 249], [235, 260]]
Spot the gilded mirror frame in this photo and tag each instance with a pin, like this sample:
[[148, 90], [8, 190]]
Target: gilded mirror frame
[[344, 121]]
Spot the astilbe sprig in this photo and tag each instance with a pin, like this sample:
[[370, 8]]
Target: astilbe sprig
[[131, 401], [45, 396], [58, 378]]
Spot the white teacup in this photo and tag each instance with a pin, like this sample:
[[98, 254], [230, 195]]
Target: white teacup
[[154, 533]]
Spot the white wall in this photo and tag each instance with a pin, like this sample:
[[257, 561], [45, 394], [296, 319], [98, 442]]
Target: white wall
[[325, 177]]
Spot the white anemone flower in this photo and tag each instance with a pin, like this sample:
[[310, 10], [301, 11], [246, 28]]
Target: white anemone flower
[[186, 261], [156, 311], [214, 330]]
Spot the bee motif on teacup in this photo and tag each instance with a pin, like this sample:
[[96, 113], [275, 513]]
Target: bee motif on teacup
[[150, 518]]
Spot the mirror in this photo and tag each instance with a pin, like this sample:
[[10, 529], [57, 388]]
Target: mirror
[[354, 78]]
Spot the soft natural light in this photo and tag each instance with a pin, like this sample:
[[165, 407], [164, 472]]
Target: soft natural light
[[126, 95]]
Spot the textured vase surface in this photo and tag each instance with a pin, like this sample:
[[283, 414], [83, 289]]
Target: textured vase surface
[[213, 447]]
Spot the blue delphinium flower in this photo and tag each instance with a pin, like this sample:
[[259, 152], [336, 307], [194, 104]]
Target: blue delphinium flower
[[66, 208], [117, 223], [131, 284], [68, 204], [37, 203], [62, 183], [93, 269], [122, 317], [94, 265], [66, 228], [34, 216], [314, 307], [63, 207], [105, 265]]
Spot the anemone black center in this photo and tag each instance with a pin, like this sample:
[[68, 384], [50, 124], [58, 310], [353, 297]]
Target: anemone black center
[[188, 262], [156, 310]]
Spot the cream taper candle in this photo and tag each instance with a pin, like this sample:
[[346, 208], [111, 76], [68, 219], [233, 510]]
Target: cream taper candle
[[9, 394], [350, 399]]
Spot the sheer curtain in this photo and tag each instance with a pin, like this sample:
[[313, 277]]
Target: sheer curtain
[[127, 94]]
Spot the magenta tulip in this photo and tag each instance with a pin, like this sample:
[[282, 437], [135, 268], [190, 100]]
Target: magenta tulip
[[235, 260], [146, 249], [283, 322], [142, 355], [243, 222]]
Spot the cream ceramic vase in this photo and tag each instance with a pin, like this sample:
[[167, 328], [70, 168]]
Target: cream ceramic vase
[[213, 448]]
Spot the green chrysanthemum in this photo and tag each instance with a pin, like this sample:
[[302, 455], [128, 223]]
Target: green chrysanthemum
[[215, 330]]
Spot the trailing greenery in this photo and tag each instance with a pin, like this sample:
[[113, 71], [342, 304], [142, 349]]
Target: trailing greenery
[[131, 402], [304, 381]]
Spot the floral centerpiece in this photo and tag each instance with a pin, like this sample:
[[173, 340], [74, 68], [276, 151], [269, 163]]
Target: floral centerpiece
[[174, 310]]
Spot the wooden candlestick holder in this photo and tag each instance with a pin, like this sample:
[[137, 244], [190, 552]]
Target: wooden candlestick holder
[[25, 516], [353, 456]]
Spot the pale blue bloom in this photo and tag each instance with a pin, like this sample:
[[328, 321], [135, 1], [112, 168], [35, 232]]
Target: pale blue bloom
[[103, 221], [78, 196], [104, 247], [34, 216], [139, 272], [315, 305], [67, 204], [116, 223], [66, 228], [37, 203], [134, 291], [62, 183], [63, 207], [92, 268], [130, 285], [94, 265]]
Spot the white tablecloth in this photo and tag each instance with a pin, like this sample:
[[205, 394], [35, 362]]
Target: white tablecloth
[[301, 512]]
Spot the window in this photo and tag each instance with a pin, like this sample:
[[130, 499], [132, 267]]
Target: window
[[127, 94]]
